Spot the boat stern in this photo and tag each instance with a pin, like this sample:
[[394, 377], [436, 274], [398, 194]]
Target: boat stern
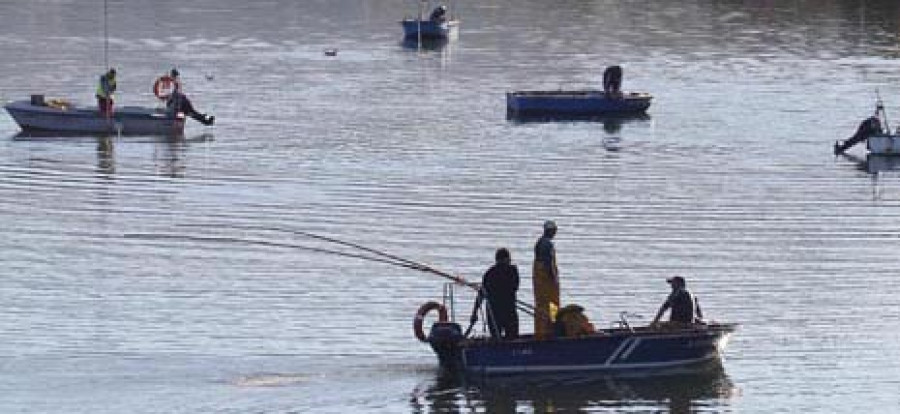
[[444, 339]]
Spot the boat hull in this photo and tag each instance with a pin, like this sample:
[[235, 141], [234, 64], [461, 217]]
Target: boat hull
[[127, 120], [883, 144], [429, 29], [582, 103], [615, 351]]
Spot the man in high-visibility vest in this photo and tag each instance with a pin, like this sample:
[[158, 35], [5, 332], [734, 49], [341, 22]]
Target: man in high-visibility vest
[[545, 278], [105, 90]]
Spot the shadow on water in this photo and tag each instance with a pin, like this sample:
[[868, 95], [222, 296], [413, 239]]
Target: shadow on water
[[673, 392], [168, 151], [612, 124], [873, 163], [426, 44]]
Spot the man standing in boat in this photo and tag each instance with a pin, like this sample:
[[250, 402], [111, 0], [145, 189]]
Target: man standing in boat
[[499, 287], [545, 278], [684, 305], [612, 81], [105, 90], [179, 102]]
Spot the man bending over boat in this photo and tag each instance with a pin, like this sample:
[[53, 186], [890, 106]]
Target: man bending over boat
[[612, 81], [499, 287], [438, 14], [685, 309], [179, 102], [105, 90]]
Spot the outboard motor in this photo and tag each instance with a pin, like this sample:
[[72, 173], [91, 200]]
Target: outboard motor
[[868, 127], [444, 339]]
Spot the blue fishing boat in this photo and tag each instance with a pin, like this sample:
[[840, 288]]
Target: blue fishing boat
[[60, 117], [621, 350], [576, 103], [439, 24], [609, 351]]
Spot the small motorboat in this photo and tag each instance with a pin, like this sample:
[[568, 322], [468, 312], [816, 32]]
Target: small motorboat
[[439, 24], [60, 117], [621, 350], [576, 103]]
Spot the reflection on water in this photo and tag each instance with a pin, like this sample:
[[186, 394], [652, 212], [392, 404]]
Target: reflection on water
[[430, 45], [674, 392], [612, 124], [106, 159]]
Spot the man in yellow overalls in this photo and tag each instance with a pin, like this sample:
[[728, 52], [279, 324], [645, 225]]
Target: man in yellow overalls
[[545, 277]]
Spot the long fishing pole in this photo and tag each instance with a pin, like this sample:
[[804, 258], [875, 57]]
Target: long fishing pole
[[407, 263], [411, 263], [254, 242], [105, 35]]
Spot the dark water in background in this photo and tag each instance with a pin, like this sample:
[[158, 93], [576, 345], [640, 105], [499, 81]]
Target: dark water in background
[[730, 182]]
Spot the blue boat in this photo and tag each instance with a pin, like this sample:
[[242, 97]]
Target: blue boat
[[621, 350], [439, 24], [580, 103], [59, 117], [609, 351]]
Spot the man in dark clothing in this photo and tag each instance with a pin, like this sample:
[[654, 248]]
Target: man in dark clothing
[[178, 102], [499, 287], [868, 127], [685, 307], [438, 14], [612, 80]]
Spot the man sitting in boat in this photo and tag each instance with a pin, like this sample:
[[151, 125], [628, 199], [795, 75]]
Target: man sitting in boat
[[499, 287], [685, 308], [178, 102], [438, 14], [612, 81], [105, 90], [572, 323]]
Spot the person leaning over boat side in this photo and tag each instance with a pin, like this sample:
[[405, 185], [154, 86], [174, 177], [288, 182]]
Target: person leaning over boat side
[[685, 308], [438, 14], [498, 287], [179, 102], [545, 279], [612, 81], [105, 90]]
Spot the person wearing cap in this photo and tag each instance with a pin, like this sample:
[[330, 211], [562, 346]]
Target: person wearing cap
[[499, 287], [545, 280], [685, 308], [179, 102], [105, 90]]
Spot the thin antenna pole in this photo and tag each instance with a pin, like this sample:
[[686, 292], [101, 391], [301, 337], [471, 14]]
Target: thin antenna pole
[[105, 35]]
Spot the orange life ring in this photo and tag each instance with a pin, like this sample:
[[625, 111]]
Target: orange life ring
[[164, 86], [420, 318]]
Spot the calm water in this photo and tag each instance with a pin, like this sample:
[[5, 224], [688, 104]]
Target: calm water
[[731, 183]]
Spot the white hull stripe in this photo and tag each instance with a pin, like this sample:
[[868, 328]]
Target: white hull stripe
[[620, 348], [627, 353], [591, 367]]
